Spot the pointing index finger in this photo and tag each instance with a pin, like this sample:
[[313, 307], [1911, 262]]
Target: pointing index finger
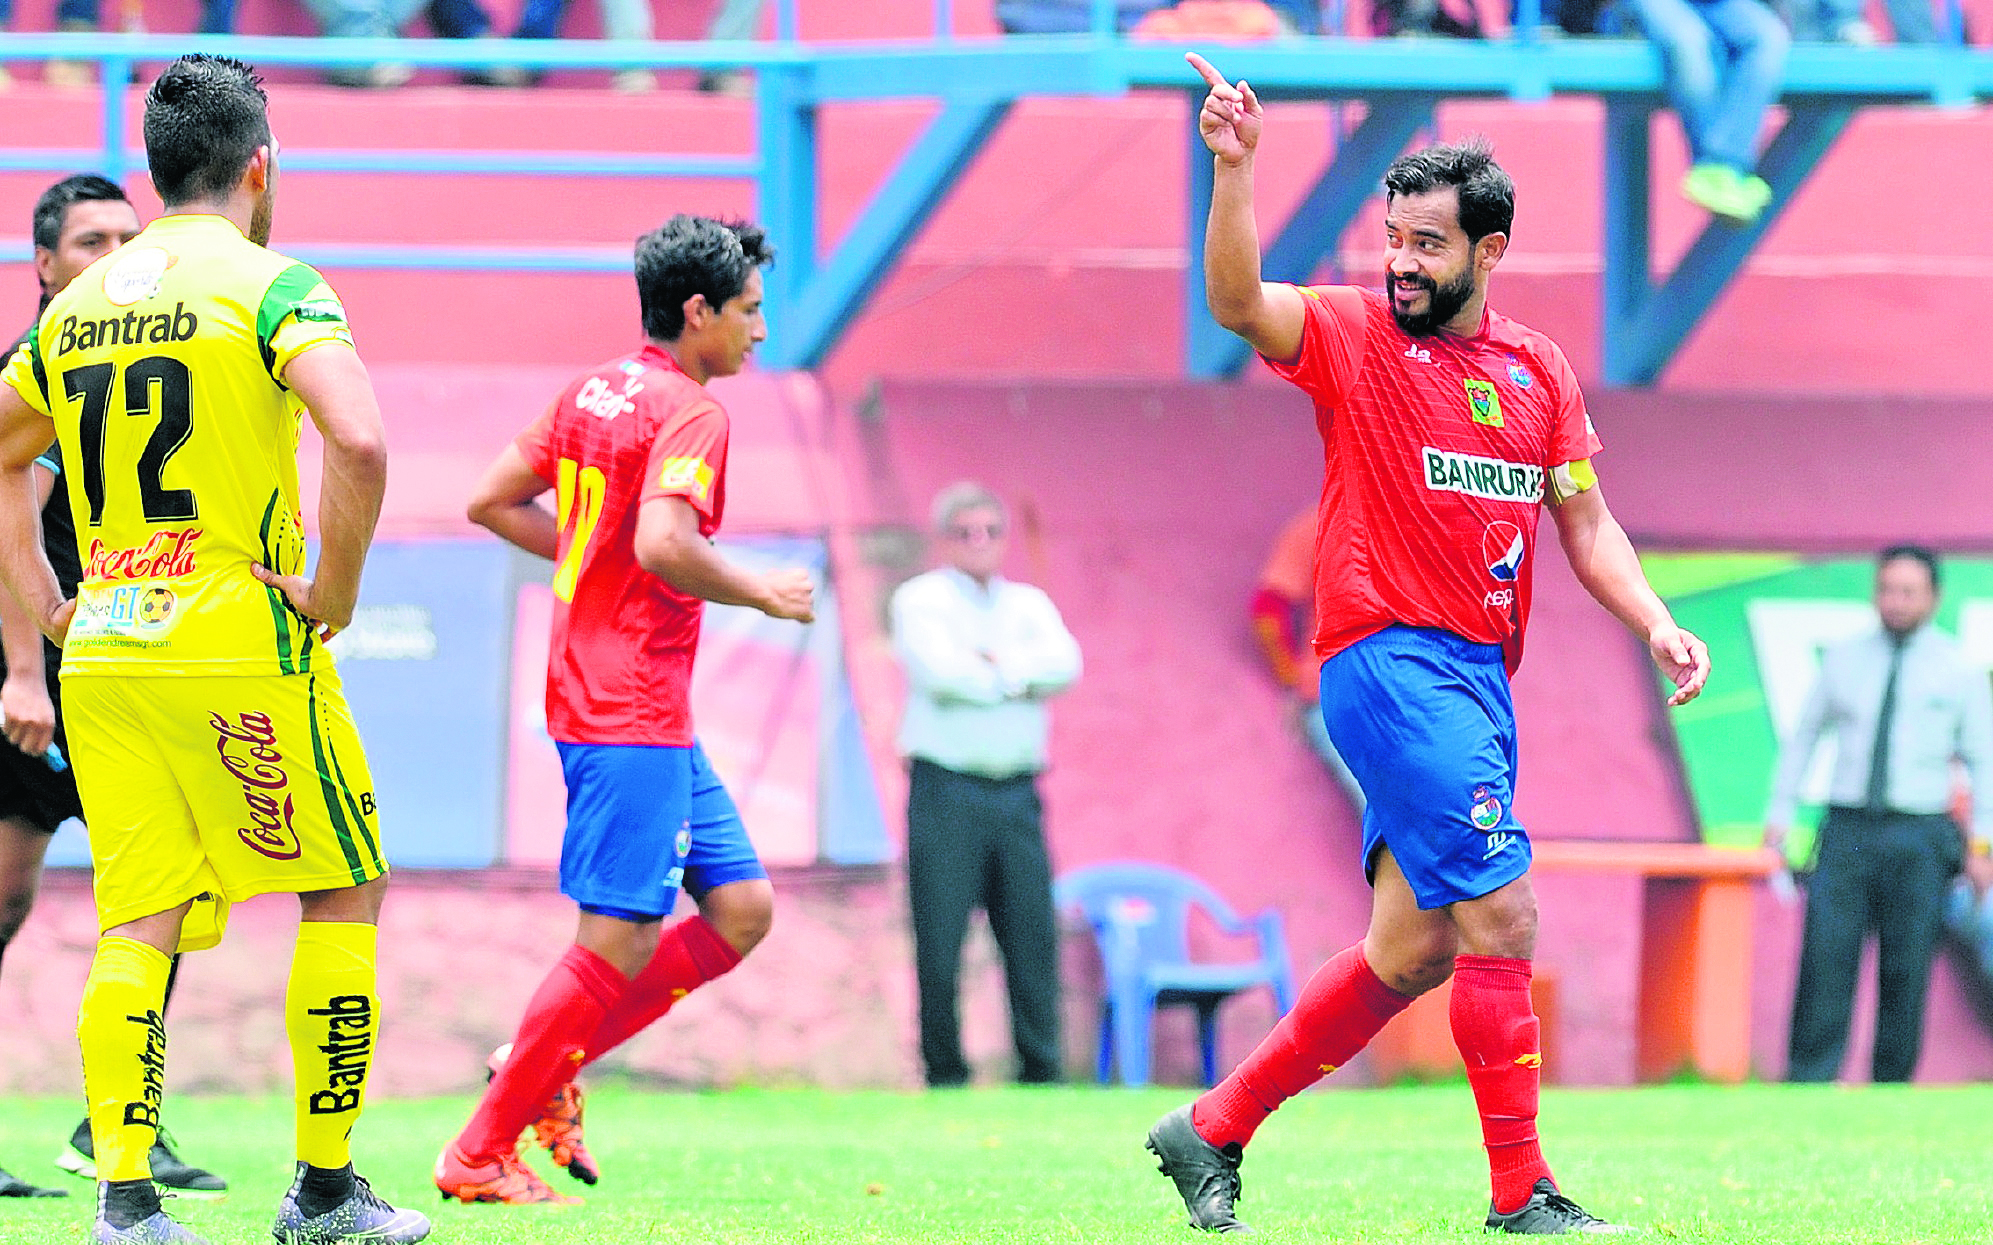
[[1206, 69]]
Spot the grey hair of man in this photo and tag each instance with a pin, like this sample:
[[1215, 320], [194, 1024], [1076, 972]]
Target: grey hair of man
[[961, 497]]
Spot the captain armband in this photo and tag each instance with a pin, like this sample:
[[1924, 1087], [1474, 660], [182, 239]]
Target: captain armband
[[1571, 479]]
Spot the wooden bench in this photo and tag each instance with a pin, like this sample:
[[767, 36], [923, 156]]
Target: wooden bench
[[1696, 941], [1697, 924]]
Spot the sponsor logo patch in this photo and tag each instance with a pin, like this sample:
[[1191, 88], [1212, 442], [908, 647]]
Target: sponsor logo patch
[[1496, 479], [686, 475], [166, 554], [135, 275], [1520, 374], [349, 1046], [1486, 812], [1502, 548], [152, 1069], [596, 397], [248, 751], [155, 607]]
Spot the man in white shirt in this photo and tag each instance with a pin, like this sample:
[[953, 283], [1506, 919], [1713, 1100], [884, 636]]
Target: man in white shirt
[[1904, 704], [982, 654]]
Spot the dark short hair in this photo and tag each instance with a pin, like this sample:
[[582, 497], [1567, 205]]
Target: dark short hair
[[1487, 195], [204, 119], [1911, 553], [52, 209], [690, 255]]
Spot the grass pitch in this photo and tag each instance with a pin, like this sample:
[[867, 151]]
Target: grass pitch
[[1759, 1164]]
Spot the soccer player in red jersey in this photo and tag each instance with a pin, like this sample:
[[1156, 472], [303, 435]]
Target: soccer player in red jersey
[[1445, 427], [636, 453]]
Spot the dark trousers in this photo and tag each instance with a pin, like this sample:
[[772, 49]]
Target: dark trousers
[[1885, 872], [980, 842]]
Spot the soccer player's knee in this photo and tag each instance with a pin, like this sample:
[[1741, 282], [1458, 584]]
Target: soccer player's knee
[[15, 903], [1412, 966], [743, 913]]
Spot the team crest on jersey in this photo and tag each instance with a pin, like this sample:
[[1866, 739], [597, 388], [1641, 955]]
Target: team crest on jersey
[[135, 274], [1520, 374], [1486, 811], [1483, 403]]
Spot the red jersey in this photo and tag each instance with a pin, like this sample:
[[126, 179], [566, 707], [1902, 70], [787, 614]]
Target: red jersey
[[1439, 452], [620, 667]]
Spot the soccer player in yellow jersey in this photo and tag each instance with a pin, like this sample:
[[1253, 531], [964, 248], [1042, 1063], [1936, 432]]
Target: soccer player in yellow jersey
[[212, 746]]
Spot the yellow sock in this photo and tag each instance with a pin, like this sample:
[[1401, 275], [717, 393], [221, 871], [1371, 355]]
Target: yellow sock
[[123, 1037], [333, 1017]]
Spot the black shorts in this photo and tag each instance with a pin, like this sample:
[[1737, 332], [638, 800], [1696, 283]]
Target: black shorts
[[33, 792]]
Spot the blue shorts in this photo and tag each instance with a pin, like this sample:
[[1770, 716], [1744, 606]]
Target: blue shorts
[[1425, 722], [643, 821]]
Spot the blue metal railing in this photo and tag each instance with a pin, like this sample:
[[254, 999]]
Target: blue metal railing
[[819, 288]]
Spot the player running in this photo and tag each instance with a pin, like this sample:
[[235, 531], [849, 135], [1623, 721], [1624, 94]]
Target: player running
[[213, 749], [636, 453], [1445, 428]]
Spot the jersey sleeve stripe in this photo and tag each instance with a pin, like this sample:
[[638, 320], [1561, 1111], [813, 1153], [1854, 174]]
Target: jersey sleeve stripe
[[330, 790], [279, 301], [39, 368], [279, 608]]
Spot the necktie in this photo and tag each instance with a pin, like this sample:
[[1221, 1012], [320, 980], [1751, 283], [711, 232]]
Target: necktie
[[1878, 762]]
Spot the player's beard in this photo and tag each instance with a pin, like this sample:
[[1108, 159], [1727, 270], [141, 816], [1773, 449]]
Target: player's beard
[[1443, 302], [259, 218]]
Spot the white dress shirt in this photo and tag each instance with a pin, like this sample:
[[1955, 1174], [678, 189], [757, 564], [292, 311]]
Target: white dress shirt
[[980, 661], [1943, 712]]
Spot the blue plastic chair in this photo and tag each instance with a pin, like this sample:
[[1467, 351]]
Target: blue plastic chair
[[1140, 914]]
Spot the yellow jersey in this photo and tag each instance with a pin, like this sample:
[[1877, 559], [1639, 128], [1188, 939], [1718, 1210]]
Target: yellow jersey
[[162, 367]]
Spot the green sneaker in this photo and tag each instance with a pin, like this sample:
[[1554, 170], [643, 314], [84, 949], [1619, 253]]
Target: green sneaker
[[1724, 192]]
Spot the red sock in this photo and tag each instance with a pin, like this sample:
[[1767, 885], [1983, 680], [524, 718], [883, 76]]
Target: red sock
[[565, 1012], [1340, 1010], [690, 954], [1494, 1025]]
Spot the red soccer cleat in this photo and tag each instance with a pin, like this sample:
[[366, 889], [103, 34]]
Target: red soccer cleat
[[507, 1181], [558, 1130]]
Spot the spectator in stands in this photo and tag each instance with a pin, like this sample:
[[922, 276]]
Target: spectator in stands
[[1457, 20], [217, 18], [1724, 60], [1841, 21], [365, 19], [622, 20], [982, 654], [1065, 17], [1283, 615], [1904, 704]]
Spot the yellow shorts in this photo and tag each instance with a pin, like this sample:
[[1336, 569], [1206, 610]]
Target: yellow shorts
[[217, 788]]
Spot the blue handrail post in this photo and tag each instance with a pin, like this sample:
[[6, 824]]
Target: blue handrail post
[[786, 124], [944, 20], [1529, 20], [785, 20], [114, 80], [1100, 18]]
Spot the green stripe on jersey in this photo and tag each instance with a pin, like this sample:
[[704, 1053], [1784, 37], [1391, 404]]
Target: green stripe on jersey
[[280, 612], [332, 790], [279, 302]]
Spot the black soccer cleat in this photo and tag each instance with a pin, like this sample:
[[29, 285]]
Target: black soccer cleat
[[1550, 1213], [13, 1186], [1207, 1178], [169, 1170]]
